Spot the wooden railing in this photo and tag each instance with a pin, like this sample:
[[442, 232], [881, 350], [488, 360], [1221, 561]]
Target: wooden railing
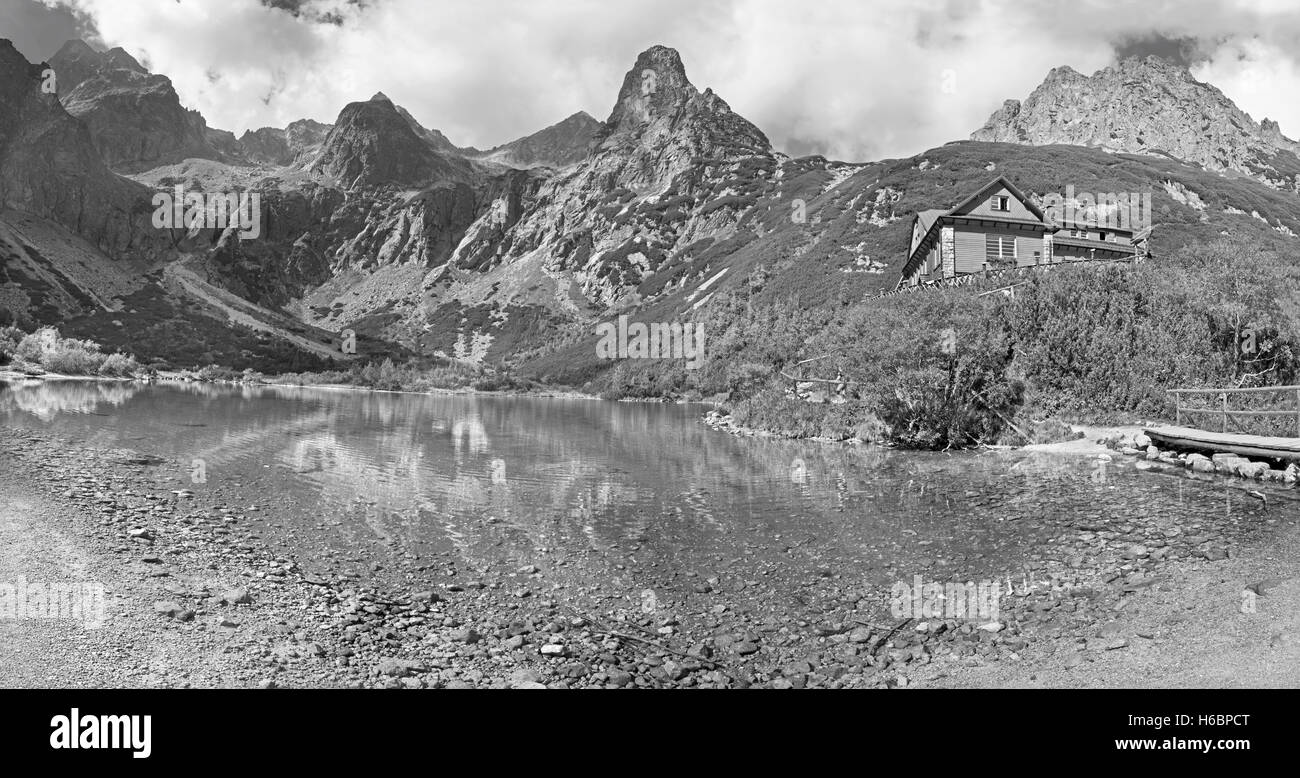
[[1225, 413]]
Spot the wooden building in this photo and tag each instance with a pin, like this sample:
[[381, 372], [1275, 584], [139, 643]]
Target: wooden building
[[999, 227]]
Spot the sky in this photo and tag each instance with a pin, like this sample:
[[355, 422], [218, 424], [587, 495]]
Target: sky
[[855, 80]]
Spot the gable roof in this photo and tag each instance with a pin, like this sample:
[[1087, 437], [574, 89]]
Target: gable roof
[[999, 182], [925, 220]]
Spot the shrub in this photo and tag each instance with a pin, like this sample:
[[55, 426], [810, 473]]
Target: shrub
[[10, 337], [119, 366]]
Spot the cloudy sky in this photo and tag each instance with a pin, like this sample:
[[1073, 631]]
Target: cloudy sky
[[853, 79]]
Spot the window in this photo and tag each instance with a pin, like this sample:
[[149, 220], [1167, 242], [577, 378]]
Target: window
[[1102, 237], [999, 247], [1002, 203]]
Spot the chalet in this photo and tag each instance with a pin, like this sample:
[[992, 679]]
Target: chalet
[[998, 227]]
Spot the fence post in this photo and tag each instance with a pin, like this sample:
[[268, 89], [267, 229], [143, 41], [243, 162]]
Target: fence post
[[1178, 408], [1297, 411], [1225, 411]]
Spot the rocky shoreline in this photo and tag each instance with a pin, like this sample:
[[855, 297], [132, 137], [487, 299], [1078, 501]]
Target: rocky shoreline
[[200, 573], [1140, 446]]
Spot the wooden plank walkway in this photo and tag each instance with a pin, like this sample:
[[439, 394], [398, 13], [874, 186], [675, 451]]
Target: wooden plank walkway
[[1258, 446]]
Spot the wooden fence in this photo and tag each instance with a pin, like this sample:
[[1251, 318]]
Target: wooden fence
[[1227, 414]]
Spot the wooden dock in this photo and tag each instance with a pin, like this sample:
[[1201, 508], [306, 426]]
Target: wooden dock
[[1253, 446]]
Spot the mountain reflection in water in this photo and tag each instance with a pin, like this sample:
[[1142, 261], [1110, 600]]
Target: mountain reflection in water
[[496, 481]]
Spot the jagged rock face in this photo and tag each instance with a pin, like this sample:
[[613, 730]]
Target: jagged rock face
[[556, 146], [135, 118], [661, 122], [672, 165], [1146, 105], [373, 144], [49, 167], [434, 138], [292, 145]]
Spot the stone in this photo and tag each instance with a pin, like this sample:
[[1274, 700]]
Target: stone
[[400, 668], [524, 675], [467, 635], [1264, 586], [1109, 630], [171, 610], [237, 596], [860, 635], [552, 649], [619, 677], [1247, 469]]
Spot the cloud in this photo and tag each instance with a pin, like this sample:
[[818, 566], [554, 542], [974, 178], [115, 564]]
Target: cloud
[[850, 79]]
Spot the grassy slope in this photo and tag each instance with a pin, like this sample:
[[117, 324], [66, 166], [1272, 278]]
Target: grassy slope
[[806, 263]]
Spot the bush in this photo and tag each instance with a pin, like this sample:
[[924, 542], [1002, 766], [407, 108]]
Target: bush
[[72, 361], [10, 337], [119, 366]]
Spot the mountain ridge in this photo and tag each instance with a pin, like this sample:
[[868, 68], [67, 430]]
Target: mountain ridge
[[376, 224]]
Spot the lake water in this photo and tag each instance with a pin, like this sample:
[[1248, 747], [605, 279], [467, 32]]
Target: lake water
[[620, 495]]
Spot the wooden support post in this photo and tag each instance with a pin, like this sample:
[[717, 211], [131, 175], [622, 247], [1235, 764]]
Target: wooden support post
[[1225, 411], [1178, 408], [1297, 412]]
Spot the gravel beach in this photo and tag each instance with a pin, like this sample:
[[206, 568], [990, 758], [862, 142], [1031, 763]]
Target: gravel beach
[[197, 597]]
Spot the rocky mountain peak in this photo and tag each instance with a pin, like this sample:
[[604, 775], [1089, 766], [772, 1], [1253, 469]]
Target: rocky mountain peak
[[556, 146], [655, 86], [1142, 105], [374, 143]]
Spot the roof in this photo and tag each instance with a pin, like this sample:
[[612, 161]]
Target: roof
[[1086, 224], [928, 218], [1088, 243], [1010, 187]]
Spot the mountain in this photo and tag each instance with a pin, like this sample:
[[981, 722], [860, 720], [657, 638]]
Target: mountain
[[1148, 106], [295, 144], [135, 118], [50, 168], [665, 211], [556, 146], [373, 143]]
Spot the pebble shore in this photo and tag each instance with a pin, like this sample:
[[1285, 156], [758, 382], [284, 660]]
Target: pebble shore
[[198, 577]]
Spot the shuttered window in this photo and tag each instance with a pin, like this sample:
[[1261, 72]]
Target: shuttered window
[[1000, 247]]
